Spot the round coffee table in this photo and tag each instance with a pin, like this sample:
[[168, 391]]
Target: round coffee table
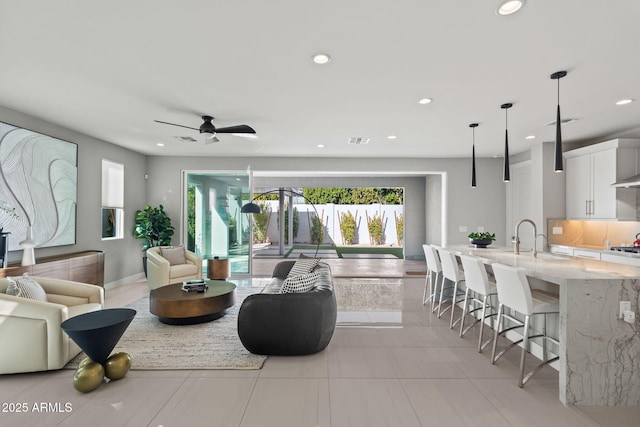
[[176, 307]]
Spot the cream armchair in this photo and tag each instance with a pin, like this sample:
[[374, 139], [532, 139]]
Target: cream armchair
[[30, 332], [162, 271]]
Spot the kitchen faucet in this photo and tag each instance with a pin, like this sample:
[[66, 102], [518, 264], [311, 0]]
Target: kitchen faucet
[[516, 249]]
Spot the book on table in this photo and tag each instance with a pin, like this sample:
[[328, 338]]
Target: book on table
[[194, 285]]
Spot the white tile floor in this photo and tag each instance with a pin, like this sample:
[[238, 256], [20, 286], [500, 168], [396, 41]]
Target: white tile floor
[[388, 369]]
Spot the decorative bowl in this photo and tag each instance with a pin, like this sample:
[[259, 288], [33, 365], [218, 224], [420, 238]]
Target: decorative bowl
[[481, 243]]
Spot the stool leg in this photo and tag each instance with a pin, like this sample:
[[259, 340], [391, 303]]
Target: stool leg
[[495, 335], [427, 285], [441, 296], [525, 342], [453, 303], [464, 310], [484, 313]]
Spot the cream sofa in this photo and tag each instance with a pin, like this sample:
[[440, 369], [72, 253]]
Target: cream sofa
[[30, 332], [161, 273]]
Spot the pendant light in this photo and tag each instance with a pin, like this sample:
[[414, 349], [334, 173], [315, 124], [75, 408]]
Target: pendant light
[[507, 170], [473, 127], [559, 167]]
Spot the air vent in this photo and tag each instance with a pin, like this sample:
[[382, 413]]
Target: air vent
[[358, 140], [186, 138], [563, 121]]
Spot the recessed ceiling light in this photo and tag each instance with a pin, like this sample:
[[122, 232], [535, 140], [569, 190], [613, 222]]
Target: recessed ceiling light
[[624, 102], [392, 137], [425, 101], [530, 137], [320, 145], [509, 7], [160, 144], [321, 58]]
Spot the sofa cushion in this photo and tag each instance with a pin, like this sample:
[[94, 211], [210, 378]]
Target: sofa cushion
[[303, 266], [282, 269], [183, 270], [29, 288], [300, 283], [174, 254]]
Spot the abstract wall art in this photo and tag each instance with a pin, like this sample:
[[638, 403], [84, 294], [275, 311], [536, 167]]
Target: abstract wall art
[[38, 187]]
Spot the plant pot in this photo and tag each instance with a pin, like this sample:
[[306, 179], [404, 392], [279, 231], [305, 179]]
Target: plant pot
[[481, 243], [144, 265]]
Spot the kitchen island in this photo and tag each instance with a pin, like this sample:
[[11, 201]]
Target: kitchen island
[[599, 353]]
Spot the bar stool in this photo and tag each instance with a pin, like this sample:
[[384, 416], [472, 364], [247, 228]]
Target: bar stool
[[479, 291], [514, 292], [451, 272], [433, 269]]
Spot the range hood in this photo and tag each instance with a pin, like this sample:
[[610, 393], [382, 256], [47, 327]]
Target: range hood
[[633, 181]]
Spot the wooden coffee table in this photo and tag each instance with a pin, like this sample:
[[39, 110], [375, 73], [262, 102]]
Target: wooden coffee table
[[177, 307]]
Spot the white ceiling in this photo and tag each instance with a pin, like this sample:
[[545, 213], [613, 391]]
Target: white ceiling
[[108, 69]]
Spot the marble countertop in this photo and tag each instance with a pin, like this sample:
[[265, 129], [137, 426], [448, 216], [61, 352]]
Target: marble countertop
[[551, 267]]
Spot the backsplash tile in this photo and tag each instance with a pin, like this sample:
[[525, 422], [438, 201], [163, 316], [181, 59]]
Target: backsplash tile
[[593, 234]]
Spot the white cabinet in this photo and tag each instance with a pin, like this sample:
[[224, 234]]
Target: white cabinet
[[561, 250], [590, 172], [621, 259], [585, 253]]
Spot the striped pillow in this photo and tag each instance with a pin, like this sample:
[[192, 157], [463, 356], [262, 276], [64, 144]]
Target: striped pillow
[[301, 283], [29, 288], [303, 266]]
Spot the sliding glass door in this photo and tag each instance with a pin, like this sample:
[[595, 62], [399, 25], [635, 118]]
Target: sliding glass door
[[214, 225]]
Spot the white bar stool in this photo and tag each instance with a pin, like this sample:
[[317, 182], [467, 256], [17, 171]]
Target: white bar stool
[[479, 291], [451, 272], [433, 269], [514, 292]]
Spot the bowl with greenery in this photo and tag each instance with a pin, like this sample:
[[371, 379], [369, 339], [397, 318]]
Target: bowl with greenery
[[481, 240]]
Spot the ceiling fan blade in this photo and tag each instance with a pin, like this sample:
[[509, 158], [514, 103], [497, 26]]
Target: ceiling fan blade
[[236, 129], [173, 124]]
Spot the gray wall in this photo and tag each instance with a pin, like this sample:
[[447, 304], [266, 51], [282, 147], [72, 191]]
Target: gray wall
[[482, 206], [123, 256]]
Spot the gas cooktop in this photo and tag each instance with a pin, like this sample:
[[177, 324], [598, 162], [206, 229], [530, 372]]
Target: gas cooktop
[[626, 249]]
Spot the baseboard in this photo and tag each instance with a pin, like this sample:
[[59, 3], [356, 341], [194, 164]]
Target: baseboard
[[124, 280]]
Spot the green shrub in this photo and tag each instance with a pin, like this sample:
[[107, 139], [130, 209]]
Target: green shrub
[[261, 222], [399, 228], [376, 230], [317, 230], [347, 227]]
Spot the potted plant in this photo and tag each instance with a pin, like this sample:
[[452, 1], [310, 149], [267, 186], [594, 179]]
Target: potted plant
[[154, 227], [482, 240]]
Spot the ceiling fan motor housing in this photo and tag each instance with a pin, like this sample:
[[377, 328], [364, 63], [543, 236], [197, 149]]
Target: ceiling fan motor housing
[[208, 127]]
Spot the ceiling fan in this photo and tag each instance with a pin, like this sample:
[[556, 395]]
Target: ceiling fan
[[209, 130]]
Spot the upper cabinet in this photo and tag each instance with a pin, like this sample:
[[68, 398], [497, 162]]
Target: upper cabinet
[[590, 172]]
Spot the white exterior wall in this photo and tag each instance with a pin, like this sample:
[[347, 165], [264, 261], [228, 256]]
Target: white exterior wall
[[329, 213]]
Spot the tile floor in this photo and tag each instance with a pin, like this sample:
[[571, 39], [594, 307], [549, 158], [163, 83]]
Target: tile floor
[[399, 366]]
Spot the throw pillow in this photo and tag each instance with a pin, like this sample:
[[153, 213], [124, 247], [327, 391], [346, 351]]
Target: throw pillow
[[174, 254], [303, 266], [301, 283], [29, 288], [13, 288]]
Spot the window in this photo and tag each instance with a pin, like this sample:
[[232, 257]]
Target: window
[[112, 199]]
